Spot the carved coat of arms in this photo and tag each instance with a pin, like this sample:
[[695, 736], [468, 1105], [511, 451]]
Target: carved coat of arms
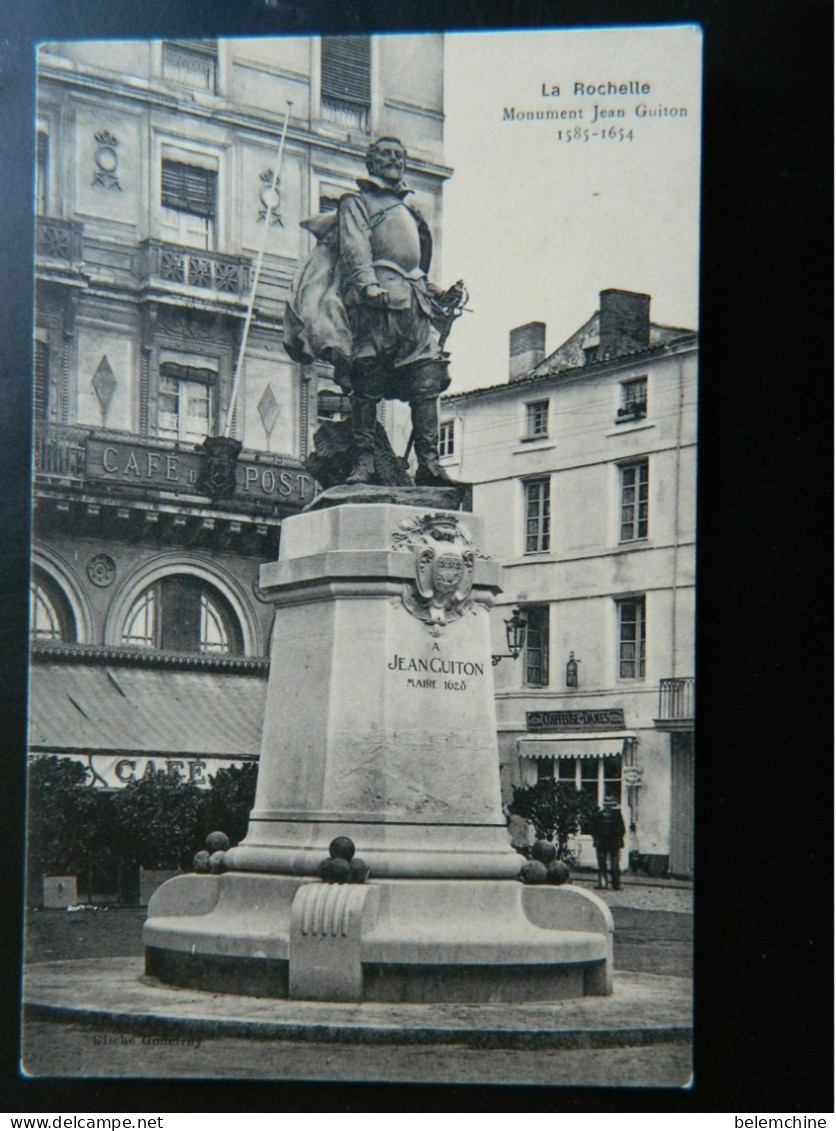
[[444, 562], [221, 461]]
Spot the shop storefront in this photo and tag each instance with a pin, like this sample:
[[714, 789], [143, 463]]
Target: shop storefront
[[591, 750]]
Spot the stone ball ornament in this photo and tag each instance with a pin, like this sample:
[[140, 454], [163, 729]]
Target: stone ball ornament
[[217, 842], [557, 873], [342, 848], [337, 871], [217, 863], [200, 863], [533, 872], [360, 871], [544, 851], [342, 866]]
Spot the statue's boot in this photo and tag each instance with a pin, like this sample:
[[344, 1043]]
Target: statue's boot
[[430, 473], [363, 420]]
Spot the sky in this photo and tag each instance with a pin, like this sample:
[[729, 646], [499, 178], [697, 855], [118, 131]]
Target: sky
[[537, 225]]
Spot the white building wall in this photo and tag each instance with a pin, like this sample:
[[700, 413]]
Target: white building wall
[[586, 569]]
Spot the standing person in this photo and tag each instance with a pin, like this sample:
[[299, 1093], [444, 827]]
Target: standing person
[[608, 838], [374, 314]]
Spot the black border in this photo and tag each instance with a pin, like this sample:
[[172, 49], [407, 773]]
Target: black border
[[764, 744]]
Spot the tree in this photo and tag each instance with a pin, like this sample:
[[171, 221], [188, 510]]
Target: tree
[[555, 809], [230, 801], [157, 820], [67, 820]]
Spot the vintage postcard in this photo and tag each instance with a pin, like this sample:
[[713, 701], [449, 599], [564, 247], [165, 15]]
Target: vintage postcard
[[362, 687]]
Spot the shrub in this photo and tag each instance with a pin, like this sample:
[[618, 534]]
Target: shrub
[[68, 821], [229, 802], [555, 809], [157, 820]]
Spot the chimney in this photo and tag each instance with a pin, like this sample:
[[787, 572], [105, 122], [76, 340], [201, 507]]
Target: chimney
[[624, 323], [527, 349]]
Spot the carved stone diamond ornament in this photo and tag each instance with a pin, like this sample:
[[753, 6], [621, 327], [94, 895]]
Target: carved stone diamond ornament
[[445, 558], [104, 384], [268, 409]]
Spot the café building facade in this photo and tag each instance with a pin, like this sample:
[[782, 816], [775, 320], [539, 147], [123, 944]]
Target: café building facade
[[156, 194]]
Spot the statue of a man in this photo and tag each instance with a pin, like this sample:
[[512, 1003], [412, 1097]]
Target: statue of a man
[[374, 313]]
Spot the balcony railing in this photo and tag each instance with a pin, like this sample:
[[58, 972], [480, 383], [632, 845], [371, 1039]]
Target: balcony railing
[[208, 270], [60, 451], [60, 239], [342, 112], [191, 66], [676, 699]]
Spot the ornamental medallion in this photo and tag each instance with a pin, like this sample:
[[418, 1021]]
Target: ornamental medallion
[[101, 569]]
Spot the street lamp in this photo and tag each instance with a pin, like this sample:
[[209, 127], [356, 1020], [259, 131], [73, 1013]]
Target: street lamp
[[515, 628]]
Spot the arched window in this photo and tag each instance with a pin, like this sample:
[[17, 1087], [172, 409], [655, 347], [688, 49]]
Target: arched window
[[181, 613], [50, 614]]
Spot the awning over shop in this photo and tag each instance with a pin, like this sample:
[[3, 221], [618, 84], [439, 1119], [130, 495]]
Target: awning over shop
[[607, 745], [112, 709]]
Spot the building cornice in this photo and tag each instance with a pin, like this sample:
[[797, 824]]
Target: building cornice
[[147, 658], [686, 344], [218, 111]]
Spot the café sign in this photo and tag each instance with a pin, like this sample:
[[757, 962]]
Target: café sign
[[112, 771], [182, 472], [604, 718]]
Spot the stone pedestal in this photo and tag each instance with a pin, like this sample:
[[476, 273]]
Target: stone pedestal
[[380, 726]]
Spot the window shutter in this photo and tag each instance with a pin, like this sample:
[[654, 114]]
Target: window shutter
[[188, 188], [346, 68], [41, 379]]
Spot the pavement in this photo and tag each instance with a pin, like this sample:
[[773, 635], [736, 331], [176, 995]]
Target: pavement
[[643, 894], [104, 1016]]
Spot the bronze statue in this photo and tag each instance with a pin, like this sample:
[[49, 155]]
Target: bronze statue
[[364, 304]]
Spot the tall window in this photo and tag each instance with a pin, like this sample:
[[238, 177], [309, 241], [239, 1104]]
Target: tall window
[[185, 404], [598, 778], [634, 501], [42, 174], [346, 80], [182, 613], [537, 516], [191, 64], [536, 420], [632, 635], [50, 615], [189, 204], [446, 437], [633, 399], [536, 653]]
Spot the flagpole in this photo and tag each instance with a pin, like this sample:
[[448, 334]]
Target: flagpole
[[256, 275]]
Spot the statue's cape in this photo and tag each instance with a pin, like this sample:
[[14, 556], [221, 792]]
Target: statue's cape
[[316, 326], [316, 323]]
